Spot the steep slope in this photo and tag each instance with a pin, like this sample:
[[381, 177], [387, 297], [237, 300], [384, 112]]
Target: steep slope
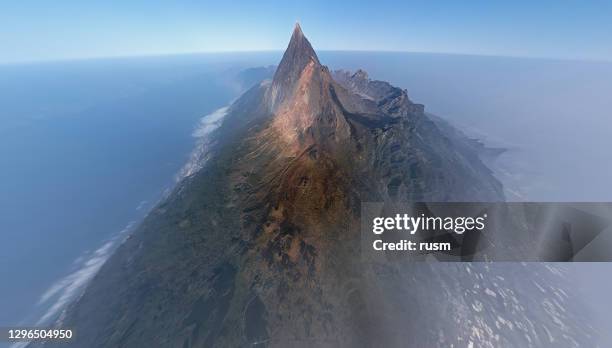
[[262, 245]]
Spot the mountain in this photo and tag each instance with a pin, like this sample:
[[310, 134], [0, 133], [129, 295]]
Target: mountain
[[262, 245]]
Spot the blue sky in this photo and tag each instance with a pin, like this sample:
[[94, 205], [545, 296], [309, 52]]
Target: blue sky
[[49, 30]]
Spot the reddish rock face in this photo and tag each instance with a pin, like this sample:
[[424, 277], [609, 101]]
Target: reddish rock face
[[298, 55], [368, 129], [302, 98]]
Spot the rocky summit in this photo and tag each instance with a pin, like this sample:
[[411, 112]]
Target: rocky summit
[[261, 247]]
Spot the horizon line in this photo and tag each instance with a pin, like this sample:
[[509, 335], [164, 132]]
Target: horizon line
[[187, 53]]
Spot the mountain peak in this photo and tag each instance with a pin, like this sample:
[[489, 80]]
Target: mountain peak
[[298, 55], [297, 30]]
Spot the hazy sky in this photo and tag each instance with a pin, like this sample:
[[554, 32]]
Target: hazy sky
[[43, 30]]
